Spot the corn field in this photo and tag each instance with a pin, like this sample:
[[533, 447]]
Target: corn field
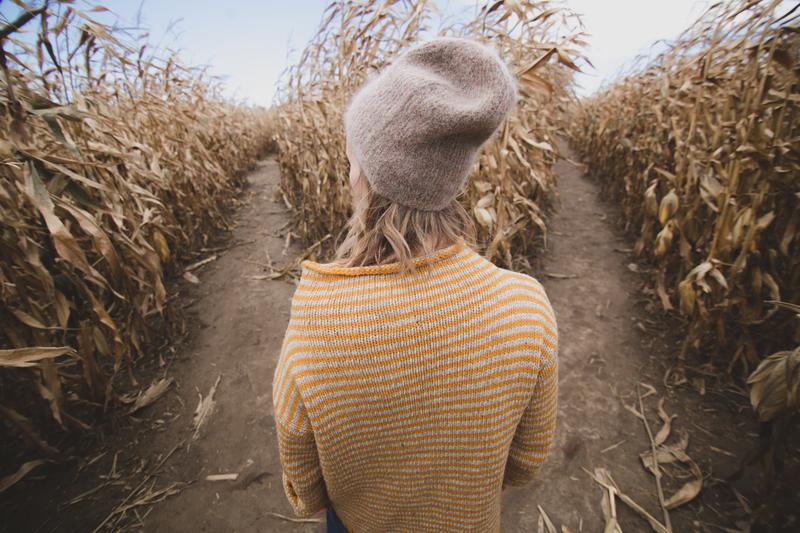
[[701, 146], [116, 162], [511, 184], [119, 164]]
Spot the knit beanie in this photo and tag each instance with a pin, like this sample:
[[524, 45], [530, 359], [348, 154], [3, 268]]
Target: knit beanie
[[417, 126]]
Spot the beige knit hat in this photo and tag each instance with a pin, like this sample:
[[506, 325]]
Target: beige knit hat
[[416, 128]]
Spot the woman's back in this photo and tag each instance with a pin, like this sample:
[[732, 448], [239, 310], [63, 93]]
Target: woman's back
[[407, 399]]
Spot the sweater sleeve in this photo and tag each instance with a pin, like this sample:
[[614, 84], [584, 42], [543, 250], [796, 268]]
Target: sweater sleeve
[[302, 474], [536, 429]]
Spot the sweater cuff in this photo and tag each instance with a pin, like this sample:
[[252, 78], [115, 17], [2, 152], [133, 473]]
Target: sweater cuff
[[517, 477], [308, 501]]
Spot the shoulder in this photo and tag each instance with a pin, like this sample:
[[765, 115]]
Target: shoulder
[[518, 286], [328, 292], [528, 284], [316, 279], [316, 291], [545, 314]]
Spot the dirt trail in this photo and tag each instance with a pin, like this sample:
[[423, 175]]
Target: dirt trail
[[612, 339], [609, 343]]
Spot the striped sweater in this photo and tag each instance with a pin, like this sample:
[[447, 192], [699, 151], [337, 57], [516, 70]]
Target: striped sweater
[[406, 401]]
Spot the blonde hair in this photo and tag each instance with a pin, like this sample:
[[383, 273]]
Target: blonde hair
[[382, 231]]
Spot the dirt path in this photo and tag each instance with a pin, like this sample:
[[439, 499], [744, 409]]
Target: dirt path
[[612, 339], [609, 343]]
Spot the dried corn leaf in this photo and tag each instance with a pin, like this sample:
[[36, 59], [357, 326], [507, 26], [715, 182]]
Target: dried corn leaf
[[697, 143], [156, 389], [774, 385], [11, 479], [111, 174], [603, 477], [666, 428], [685, 494], [545, 520], [204, 410], [26, 357]]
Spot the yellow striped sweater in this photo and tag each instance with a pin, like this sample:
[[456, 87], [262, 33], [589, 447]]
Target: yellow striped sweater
[[406, 401]]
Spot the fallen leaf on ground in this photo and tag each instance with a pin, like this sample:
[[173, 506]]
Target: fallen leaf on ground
[[685, 494], [667, 454], [191, 278], [200, 263], [670, 454], [609, 508], [11, 479], [688, 491], [205, 407], [557, 275], [151, 496], [156, 389], [650, 389], [603, 477], [222, 477], [635, 411], [608, 449], [544, 520], [663, 433]]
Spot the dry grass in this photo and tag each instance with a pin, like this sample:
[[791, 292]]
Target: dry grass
[[509, 187], [114, 163], [701, 146]]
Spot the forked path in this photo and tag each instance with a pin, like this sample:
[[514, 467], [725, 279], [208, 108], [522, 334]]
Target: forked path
[[609, 343], [611, 339]]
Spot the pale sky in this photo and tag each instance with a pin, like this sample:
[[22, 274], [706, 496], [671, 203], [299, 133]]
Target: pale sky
[[249, 42]]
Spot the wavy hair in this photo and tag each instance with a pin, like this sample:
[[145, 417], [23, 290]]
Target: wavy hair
[[381, 231]]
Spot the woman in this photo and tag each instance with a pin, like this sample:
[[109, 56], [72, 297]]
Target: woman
[[416, 378]]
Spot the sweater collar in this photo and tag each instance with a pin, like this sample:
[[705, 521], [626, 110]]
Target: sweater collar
[[388, 268]]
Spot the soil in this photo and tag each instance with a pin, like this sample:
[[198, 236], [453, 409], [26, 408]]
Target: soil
[[147, 472]]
